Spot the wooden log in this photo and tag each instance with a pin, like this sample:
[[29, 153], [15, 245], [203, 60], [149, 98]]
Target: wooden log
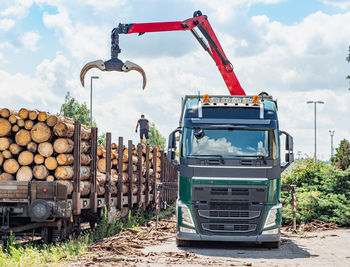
[[23, 137], [11, 166], [23, 113], [68, 184], [5, 113], [64, 172], [28, 124], [1, 159], [85, 188], [50, 178], [100, 178], [24, 174], [15, 149], [63, 145], [50, 163], [6, 177], [5, 127], [13, 119], [40, 172], [84, 173], [15, 128], [65, 159], [20, 123], [85, 159], [32, 147], [113, 189], [33, 114], [84, 147], [45, 149], [115, 162], [42, 116], [65, 128], [6, 154], [40, 132], [39, 159], [51, 120], [100, 151], [4, 143], [101, 165], [100, 190]]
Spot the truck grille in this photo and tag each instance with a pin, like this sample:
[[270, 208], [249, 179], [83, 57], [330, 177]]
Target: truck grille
[[227, 227], [229, 214]]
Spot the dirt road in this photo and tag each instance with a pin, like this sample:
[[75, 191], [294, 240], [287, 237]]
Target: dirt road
[[146, 246]]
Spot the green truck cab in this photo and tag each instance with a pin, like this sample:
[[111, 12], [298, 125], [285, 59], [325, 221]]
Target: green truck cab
[[227, 151]]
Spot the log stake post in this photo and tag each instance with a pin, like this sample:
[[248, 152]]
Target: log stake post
[[108, 171], [139, 167], [76, 167], [162, 165], [130, 174], [120, 172], [154, 178], [294, 208], [93, 192], [147, 176]]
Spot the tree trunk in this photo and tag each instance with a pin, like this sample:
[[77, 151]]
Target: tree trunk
[[65, 159], [11, 166], [68, 184], [45, 149], [40, 132], [64, 172], [24, 174], [6, 154], [26, 158], [40, 172], [84, 173], [23, 113], [32, 147], [51, 163], [15, 149], [63, 145], [6, 177], [39, 159], [51, 120], [5, 113], [23, 137], [5, 127], [42, 116], [33, 114], [4, 143], [85, 188], [28, 124]]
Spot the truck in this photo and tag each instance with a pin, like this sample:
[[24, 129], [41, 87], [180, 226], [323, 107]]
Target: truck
[[229, 160]]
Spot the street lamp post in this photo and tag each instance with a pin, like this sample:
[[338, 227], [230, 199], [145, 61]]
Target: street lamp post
[[92, 77], [332, 148], [315, 103]]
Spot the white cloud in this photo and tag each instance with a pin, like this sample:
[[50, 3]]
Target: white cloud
[[342, 4], [6, 24], [16, 8], [30, 40]]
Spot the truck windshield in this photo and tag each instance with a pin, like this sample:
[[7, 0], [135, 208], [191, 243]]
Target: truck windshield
[[225, 142]]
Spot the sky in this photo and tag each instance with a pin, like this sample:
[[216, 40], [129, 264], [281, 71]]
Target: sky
[[293, 49]]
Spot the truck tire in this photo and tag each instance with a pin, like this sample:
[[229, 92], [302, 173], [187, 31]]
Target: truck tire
[[182, 243], [275, 244]]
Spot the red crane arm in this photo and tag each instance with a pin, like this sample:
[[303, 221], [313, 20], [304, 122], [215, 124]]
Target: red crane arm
[[215, 50]]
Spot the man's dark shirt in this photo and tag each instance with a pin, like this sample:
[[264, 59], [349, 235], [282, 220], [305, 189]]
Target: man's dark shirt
[[143, 124]]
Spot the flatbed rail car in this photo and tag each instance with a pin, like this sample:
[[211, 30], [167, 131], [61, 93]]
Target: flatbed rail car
[[44, 209]]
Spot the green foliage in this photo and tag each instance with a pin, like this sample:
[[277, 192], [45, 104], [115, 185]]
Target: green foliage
[[323, 192], [342, 157], [101, 139], [73, 109], [155, 137]]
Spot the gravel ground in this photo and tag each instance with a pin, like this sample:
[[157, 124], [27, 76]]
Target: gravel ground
[[146, 246]]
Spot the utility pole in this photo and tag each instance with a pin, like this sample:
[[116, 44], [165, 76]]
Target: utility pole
[[315, 103], [332, 147], [92, 77]]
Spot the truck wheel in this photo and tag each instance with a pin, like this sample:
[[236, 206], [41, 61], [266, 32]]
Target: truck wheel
[[182, 243], [275, 244]]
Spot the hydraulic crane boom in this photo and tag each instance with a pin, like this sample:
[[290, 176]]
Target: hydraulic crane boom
[[215, 50]]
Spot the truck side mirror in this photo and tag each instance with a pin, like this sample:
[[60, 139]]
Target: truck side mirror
[[172, 145], [289, 156], [289, 142]]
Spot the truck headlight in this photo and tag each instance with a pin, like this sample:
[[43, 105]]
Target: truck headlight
[[274, 231], [272, 216], [187, 230], [185, 213]]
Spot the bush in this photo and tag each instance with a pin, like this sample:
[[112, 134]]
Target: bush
[[323, 193]]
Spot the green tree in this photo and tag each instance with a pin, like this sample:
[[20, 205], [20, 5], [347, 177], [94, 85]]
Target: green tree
[[155, 137], [342, 157], [348, 60]]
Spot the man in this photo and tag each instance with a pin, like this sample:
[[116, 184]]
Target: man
[[144, 128]]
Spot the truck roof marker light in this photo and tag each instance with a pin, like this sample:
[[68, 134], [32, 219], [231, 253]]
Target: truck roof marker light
[[206, 98], [256, 99]]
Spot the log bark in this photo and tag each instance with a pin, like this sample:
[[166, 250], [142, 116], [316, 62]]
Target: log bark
[[42, 116], [50, 163], [51, 120], [101, 165], [24, 174], [13, 119], [23, 113], [11, 166], [45, 149], [15, 149], [39, 159], [68, 184], [50, 178], [100, 178], [40, 132], [33, 114], [100, 190], [15, 128], [32, 147], [5, 127], [4, 143], [28, 124], [64, 172], [65, 159], [6, 154], [84, 147], [23, 137], [40, 172], [63, 145], [85, 159], [6, 177], [85, 188], [5, 113], [84, 173], [65, 128]]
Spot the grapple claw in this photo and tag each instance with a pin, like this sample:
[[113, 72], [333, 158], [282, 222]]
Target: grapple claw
[[93, 64], [128, 66]]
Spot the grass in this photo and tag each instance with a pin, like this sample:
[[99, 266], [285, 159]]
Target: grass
[[55, 254]]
